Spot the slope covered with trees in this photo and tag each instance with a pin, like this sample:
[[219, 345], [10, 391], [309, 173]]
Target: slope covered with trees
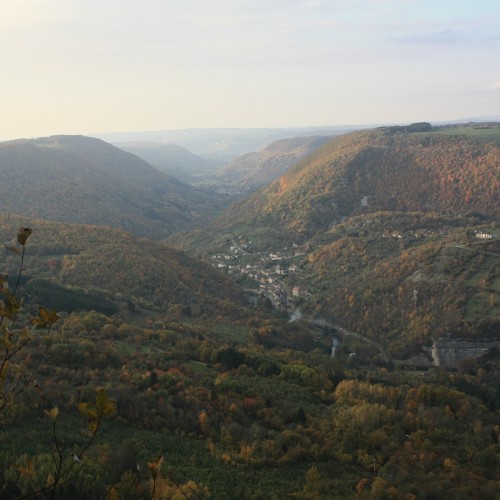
[[370, 171], [101, 264], [385, 223], [406, 280], [202, 413], [87, 181], [204, 396], [254, 170]]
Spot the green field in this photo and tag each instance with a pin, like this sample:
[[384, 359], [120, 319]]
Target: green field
[[487, 132]]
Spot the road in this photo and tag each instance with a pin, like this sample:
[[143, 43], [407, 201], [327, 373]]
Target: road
[[345, 331]]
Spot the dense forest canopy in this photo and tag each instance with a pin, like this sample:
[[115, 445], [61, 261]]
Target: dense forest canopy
[[292, 358], [87, 181], [403, 172], [120, 267]]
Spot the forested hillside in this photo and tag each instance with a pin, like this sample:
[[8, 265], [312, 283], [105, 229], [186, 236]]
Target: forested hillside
[[164, 405], [257, 169], [407, 280], [377, 231], [294, 361], [111, 264], [370, 171], [87, 181]]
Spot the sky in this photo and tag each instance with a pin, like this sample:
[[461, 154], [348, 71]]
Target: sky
[[97, 66]]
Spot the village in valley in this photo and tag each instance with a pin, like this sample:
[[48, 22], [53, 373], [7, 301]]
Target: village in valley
[[265, 271], [278, 275]]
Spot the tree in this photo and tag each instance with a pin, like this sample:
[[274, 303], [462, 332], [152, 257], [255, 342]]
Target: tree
[[42, 476], [14, 337]]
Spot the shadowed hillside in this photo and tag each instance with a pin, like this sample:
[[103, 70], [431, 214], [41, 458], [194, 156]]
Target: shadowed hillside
[[83, 180], [118, 266], [170, 158]]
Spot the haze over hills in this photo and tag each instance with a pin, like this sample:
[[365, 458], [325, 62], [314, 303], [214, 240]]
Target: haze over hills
[[85, 180], [243, 174], [221, 144], [254, 170], [170, 158]]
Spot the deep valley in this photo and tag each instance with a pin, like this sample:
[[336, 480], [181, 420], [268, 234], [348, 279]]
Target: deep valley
[[318, 318]]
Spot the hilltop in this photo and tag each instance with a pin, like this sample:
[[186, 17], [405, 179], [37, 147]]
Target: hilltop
[[365, 172], [84, 180]]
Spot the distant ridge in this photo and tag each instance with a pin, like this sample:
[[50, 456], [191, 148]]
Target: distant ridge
[[221, 144], [257, 169], [85, 180], [169, 158]]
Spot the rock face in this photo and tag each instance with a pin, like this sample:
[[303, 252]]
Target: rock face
[[449, 352]]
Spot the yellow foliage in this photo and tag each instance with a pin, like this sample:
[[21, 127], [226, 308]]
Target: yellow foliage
[[155, 467], [23, 235], [52, 413], [103, 406], [45, 318], [165, 489], [111, 494]]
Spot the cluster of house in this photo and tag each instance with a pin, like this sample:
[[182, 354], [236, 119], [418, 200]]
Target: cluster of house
[[484, 235], [267, 269]]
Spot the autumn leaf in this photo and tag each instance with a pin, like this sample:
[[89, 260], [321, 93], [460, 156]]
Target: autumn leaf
[[5, 339], [23, 235], [155, 466], [9, 307], [25, 332], [52, 413], [26, 471], [45, 318], [104, 405], [94, 412], [50, 480], [111, 493], [87, 410]]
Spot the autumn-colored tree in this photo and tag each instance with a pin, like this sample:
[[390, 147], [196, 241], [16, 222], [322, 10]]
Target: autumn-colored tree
[[14, 337], [43, 480]]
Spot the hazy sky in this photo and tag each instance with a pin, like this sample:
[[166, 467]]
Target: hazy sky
[[90, 66]]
